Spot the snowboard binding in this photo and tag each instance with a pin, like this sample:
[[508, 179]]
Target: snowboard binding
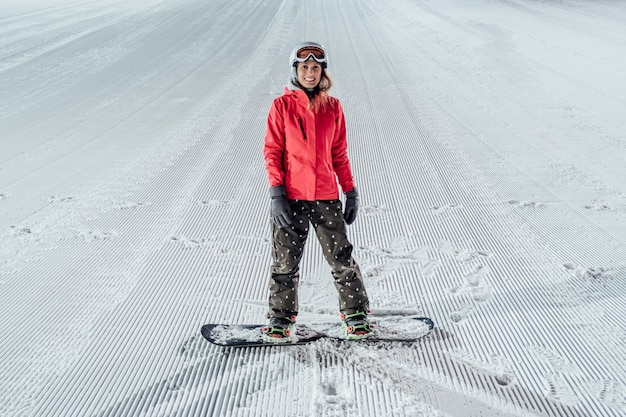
[[356, 326], [279, 329]]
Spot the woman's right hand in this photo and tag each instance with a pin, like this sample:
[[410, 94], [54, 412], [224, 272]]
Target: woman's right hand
[[281, 210]]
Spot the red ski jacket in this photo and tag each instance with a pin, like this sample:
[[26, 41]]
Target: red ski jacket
[[306, 150]]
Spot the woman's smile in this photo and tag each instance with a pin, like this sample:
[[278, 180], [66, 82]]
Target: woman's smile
[[309, 73]]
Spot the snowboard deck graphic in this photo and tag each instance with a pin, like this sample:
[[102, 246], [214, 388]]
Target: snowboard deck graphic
[[404, 329]]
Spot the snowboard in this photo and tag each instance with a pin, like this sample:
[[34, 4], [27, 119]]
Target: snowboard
[[403, 329]]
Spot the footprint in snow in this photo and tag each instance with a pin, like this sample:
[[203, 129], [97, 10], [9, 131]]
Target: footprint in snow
[[328, 389], [374, 209], [95, 235], [398, 254], [214, 203], [461, 315], [188, 243], [475, 285], [61, 199], [446, 208], [4, 196], [462, 255], [478, 287], [497, 366], [599, 206], [558, 369], [591, 273], [193, 348], [20, 231], [613, 394], [375, 271], [332, 396], [132, 205], [526, 204]]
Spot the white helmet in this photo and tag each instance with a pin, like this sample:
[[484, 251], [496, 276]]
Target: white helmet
[[305, 51]]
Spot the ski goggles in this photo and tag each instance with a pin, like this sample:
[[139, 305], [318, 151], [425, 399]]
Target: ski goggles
[[307, 52]]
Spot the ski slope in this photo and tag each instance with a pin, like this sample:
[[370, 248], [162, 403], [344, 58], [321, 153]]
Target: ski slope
[[488, 143]]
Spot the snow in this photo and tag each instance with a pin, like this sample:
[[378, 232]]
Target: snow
[[487, 141]]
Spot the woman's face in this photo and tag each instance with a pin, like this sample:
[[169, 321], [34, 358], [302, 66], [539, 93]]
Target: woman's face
[[309, 73]]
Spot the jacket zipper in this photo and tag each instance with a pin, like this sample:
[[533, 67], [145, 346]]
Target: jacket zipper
[[302, 127]]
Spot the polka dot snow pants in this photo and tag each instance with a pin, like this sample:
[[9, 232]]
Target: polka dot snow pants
[[330, 228]]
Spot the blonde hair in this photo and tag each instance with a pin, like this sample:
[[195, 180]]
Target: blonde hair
[[320, 100]]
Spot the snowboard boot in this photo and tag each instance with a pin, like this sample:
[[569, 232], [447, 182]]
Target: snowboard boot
[[356, 326], [279, 329]]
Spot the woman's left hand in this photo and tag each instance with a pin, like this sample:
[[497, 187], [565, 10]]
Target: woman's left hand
[[352, 206]]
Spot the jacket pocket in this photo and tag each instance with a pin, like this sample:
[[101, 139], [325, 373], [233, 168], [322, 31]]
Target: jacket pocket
[[302, 127]]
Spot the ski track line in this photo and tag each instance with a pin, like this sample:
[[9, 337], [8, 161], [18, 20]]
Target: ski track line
[[42, 10], [580, 212], [77, 125], [63, 27], [477, 23], [579, 83], [66, 73]]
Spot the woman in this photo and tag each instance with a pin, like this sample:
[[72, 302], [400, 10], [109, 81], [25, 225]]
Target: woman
[[305, 156]]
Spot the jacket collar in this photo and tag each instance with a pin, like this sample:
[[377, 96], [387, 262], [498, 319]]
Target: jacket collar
[[292, 86], [298, 93]]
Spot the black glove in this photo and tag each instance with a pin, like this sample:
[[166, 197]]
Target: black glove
[[281, 211], [352, 206]]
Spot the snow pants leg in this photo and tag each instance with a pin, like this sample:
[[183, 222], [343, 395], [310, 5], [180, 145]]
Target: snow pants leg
[[288, 245]]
